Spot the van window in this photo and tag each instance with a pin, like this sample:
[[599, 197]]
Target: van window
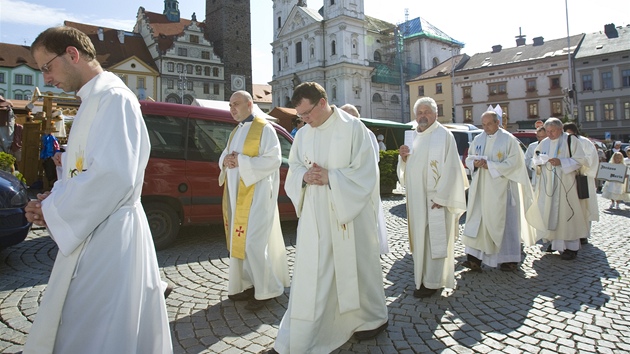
[[207, 139], [285, 146], [167, 136], [461, 139]]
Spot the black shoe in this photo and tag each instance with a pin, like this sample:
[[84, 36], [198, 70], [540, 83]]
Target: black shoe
[[509, 266], [583, 241], [243, 296], [568, 255], [254, 304], [168, 290], [363, 335], [424, 292], [473, 263], [549, 249]]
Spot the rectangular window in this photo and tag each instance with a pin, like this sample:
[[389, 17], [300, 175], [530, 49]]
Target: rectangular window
[[194, 39], [180, 68], [556, 109], [554, 82], [531, 85], [141, 83], [189, 85], [607, 82], [170, 67], [18, 96], [438, 88], [440, 111], [205, 54], [298, 52], [206, 88], [532, 110], [587, 82], [1, 78], [467, 92], [609, 111], [28, 79], [170, 83], [625, 78], [215, 72], [216, 89], [182, 52], [189, 69], [589, 113], [19, 79], [421, 90], [198, 70], [468, 117], [206, 71], [626, 110]]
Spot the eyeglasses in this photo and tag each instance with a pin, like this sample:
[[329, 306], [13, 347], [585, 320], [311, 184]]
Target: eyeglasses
[[306, 114], [45, 69]]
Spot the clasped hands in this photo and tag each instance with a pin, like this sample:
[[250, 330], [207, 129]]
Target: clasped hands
[[481, 164], [316, 175], [403, 151], [231, 160], [34, 210]]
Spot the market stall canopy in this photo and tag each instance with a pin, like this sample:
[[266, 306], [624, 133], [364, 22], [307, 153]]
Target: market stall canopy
[[224, 105], [394, 132]]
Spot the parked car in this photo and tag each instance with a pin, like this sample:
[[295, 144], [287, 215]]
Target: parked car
[[13, 199], [464, 135], [181, 180], [526, 137]]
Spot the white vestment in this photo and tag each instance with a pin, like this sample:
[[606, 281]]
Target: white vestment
[[529, 153], [337, 285], [433, 173], [556, 195], [104, 294], [265, 265], [589, 169], [498, 200], [380, 220]]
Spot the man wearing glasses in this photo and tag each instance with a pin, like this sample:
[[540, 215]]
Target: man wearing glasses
[[104, 294], [337, 285]]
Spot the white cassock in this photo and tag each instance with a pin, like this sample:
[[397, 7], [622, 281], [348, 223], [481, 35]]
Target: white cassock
[[498, 200], [433, 173], [380, 220], [337, 285], [265, 265], [589, 169], [104, 294], [529, 153], [556, 195]]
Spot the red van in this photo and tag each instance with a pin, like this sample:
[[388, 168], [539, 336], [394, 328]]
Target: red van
[[181, 180]]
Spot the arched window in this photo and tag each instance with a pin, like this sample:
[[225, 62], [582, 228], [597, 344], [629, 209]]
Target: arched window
[[377, 98], [377, 56], [333, 48], [435, 62], [394, 99], [334, 93], [355, 47]]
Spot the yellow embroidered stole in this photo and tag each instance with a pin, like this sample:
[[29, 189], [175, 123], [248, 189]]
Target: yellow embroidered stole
[[245, 194]]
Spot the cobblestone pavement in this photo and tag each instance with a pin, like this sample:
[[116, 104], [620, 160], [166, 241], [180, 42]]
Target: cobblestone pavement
[[547, 306]]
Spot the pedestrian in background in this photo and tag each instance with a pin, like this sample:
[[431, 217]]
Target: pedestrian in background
[[616, 191], [250, 173], [104, 294], [435, 184]]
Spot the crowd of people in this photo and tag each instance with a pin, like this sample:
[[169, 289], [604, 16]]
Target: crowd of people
[[337, 292]]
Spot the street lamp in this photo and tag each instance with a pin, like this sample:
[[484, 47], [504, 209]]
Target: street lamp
[[182, 82], [451, 49]]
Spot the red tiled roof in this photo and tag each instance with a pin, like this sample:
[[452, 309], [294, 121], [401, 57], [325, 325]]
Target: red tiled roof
[[261, 93], [165, 31], [12, 56], [110, 51]]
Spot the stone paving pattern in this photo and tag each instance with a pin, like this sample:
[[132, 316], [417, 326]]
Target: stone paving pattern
[[547, 306]]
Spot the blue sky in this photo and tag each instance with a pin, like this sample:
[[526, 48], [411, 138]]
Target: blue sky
[[479, 24]]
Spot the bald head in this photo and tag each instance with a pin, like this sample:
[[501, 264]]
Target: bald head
[[241, 105], [350, 109]]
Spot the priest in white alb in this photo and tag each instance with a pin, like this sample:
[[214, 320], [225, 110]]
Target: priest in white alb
[[499, 198], [435, 184], [104, 294], [337, 285], [250, 173], [556, 195]]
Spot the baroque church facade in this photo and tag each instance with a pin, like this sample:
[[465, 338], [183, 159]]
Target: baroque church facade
[[357, 58]]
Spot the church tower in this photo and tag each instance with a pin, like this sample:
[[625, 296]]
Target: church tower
[[171, 10], [228, 27], [281, 11], [349, 8]]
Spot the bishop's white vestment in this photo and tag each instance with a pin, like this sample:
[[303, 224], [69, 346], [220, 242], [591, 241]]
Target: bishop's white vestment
[[433, 173], [498, 200], [104, 294], [265, 263], [556, 195], [337, 285]]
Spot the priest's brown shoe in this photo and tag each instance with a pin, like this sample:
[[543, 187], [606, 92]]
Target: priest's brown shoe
[[243, 296]]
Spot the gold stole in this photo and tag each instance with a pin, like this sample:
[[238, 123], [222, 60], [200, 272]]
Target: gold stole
[[245, 194]]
